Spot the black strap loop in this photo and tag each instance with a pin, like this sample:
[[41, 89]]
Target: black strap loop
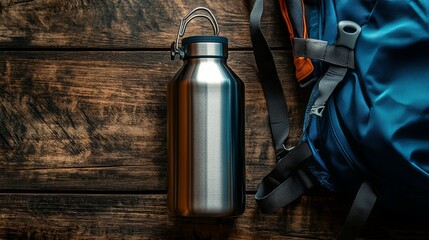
[[286, 182]]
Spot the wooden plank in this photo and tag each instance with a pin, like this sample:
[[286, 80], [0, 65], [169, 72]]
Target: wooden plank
[[126, 24], [97, 120], [50, 216]]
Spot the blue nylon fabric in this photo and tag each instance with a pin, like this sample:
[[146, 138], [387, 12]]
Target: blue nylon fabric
[[376, 125]]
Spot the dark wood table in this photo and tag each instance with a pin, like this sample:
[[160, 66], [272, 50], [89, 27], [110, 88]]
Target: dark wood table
[[83, 124]]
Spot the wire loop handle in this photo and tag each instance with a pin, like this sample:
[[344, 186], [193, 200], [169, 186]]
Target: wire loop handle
[[175, 49]]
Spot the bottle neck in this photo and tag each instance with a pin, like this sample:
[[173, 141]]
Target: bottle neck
[[206, 50], [198, 60]]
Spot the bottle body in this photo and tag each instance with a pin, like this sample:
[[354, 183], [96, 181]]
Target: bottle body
[[206, 163]]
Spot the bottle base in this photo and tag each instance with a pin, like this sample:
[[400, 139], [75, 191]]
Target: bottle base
[[227, 214]]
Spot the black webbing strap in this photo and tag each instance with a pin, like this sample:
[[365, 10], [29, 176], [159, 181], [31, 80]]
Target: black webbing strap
[[296, 10], [362, 205], [273, 91], [286, 182]]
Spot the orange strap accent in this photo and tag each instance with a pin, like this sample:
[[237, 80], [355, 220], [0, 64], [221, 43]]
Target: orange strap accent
[[303, 66]]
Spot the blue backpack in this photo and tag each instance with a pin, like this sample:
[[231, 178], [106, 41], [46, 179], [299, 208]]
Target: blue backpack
[[366, 128]]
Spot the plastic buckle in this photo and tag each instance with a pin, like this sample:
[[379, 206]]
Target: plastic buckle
[[317, 110]]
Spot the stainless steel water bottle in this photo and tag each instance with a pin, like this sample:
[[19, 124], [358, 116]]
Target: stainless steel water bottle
[[206, 164]]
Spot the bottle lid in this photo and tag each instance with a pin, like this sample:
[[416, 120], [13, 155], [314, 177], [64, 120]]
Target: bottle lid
[[205, 47], [198, 39]]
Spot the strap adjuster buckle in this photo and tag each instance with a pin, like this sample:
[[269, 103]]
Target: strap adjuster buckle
[[283, 152]]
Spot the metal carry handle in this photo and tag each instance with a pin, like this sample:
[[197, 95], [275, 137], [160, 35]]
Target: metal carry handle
[[175, 49]]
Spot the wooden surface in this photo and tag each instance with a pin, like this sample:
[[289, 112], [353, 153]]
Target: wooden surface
[[122, 24], [83, 125]]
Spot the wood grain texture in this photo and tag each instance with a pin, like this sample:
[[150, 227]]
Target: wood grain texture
[[82, 133], [144, 216], [65, 216], [97, 120], [126, 24]]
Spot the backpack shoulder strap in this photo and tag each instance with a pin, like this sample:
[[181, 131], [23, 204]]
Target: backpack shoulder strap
[[359, 212], [273, 91], [288, 180]]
